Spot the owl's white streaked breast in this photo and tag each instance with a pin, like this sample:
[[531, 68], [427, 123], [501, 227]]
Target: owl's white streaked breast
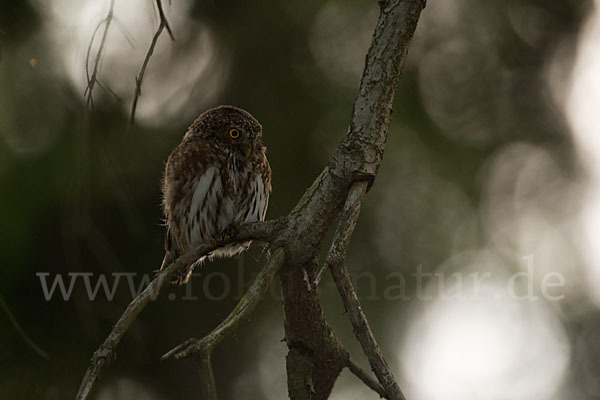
[[210, 209], [257, 205]]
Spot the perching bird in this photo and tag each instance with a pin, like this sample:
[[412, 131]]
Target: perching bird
[[216, 179]]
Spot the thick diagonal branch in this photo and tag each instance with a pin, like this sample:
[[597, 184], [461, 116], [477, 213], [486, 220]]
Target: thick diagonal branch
[[106, 352], [357, 158], [202, 348]]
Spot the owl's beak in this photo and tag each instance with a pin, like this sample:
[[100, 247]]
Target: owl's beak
[[247, 151]]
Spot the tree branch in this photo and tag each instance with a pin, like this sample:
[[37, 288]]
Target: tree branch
[[345, 229], [106, 352], [203, 348], [315, 355], [164, 24], [356, 159], [208, 385], [367, 379], [361, 151], [93, 78], [335, 261], [163, 18]]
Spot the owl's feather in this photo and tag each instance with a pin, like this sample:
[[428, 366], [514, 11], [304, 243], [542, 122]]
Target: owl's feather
[[211, 187]]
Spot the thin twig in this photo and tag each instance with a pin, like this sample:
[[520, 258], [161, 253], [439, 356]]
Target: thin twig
[[91, 79], [125, 32], [366, 378], [164, 23], [106, 352], [242, 310], [163, 18], [107, 88], [202, 349], [21, 332], [335, 261]]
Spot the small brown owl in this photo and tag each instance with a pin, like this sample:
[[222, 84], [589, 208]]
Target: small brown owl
[[216, 179]]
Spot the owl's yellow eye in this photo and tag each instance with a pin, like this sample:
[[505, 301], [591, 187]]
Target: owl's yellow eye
[[234, 133]]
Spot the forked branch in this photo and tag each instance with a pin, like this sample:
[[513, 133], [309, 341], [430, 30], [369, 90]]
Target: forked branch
[[353, 165], [202, 349], [104, 355], [335, 261], [92, 78], [163, 24], [366, 379]]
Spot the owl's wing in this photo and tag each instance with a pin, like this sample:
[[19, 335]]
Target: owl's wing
[[265, 188], [171, 252], [187, 162]]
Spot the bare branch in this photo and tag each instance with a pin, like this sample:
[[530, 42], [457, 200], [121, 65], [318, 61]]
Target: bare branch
[[163, 18], [92, 79], [316, 355], [164, 24], [125, 32], [359, 156], [356, 159], [242, 310], [21, 332], [363, 333], [106, 352], [366, 378], [343, 233], [336, 263], [207, 378], [107, 88], [202, 348]]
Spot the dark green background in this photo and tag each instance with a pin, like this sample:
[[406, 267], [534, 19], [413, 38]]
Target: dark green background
[[80, 193]]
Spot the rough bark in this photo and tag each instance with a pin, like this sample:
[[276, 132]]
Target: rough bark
[[315, 356]]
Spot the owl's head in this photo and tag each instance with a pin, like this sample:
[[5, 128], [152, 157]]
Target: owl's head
[[228, 125]]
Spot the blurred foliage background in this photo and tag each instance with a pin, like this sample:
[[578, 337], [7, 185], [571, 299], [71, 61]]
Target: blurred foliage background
[[492, 166]]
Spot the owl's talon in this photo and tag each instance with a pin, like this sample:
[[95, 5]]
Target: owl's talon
[[231, 231]]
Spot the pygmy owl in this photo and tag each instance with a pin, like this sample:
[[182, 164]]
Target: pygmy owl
[[216, 179]]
